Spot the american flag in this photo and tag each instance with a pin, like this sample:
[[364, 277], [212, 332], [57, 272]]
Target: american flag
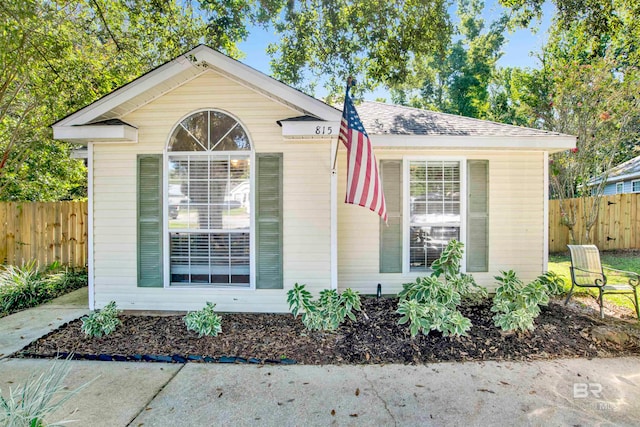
[[364, 187]]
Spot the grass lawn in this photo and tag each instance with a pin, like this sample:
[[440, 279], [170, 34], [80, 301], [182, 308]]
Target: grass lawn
[[629, 261]]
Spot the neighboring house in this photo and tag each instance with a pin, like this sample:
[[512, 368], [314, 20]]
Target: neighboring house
[[168, 151], [624, 178]]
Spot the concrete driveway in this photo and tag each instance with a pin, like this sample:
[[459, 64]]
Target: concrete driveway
[[565, 392]]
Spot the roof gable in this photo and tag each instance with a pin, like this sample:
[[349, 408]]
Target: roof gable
[[167, 76]]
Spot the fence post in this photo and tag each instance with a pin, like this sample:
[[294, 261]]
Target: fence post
[[3, 232]]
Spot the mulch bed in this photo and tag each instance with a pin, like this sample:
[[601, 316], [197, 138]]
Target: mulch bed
[[375, 337]]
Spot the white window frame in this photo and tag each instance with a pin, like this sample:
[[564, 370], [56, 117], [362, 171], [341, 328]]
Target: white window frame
[[634, 182], [165, 209], [406, 209], [618, 186]]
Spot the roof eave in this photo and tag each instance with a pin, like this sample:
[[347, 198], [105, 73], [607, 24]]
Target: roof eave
[[551, 144], [96, 133], [614, 179]]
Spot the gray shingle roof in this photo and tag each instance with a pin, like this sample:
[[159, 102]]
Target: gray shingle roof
[[626, 170], [387, 119]]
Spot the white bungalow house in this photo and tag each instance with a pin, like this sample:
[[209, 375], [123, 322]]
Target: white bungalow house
[[169, 152]]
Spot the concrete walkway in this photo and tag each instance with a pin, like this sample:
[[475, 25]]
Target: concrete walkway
[[562, 392], [20, 329]]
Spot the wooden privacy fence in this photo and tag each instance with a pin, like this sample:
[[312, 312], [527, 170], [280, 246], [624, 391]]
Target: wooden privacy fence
[[617, 226], [45, 232], [58, 231]]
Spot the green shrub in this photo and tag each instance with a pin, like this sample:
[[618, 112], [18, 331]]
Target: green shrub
[[431, 303], [427, 316], [448, 266], [44, 393], [25, 287], [204, 321], [101, 322], [328, 312], [517, 305], [554, 283]]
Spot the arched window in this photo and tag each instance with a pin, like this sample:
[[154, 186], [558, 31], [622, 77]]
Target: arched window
[[209, 203]]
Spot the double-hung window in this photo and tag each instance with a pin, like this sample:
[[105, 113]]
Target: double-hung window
[[209, 201], [431, 201], [434, 209]]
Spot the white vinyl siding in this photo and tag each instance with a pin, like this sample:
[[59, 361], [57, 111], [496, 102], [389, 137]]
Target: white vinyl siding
[[516, 222], [306, 203]]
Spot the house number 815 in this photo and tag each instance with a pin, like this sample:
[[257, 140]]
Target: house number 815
[[324, 130]]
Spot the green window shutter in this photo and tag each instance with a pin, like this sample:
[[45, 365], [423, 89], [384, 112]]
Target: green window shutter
[[150, 220], [391, 234], [269, 221], [478, 216]]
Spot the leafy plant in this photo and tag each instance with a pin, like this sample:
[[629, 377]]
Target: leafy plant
[[328, 312], [101, 322], [299, 300], [415, 313], [44, 393], [20, 287], [24, 287], [448, 263], [431, 303], [448, 266], [517, 305], [349, 301], [554, 283], [204, 321]]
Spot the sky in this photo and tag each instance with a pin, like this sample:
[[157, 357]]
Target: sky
[[517, 50]]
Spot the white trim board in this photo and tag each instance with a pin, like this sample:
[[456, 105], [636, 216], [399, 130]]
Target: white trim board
[[406, 207], [96, 133], [90, 263], [545, 210], [127, 92], [546, 143]]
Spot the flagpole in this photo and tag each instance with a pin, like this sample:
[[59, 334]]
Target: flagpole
[[335, 145], [333, 180], [350, 83]]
